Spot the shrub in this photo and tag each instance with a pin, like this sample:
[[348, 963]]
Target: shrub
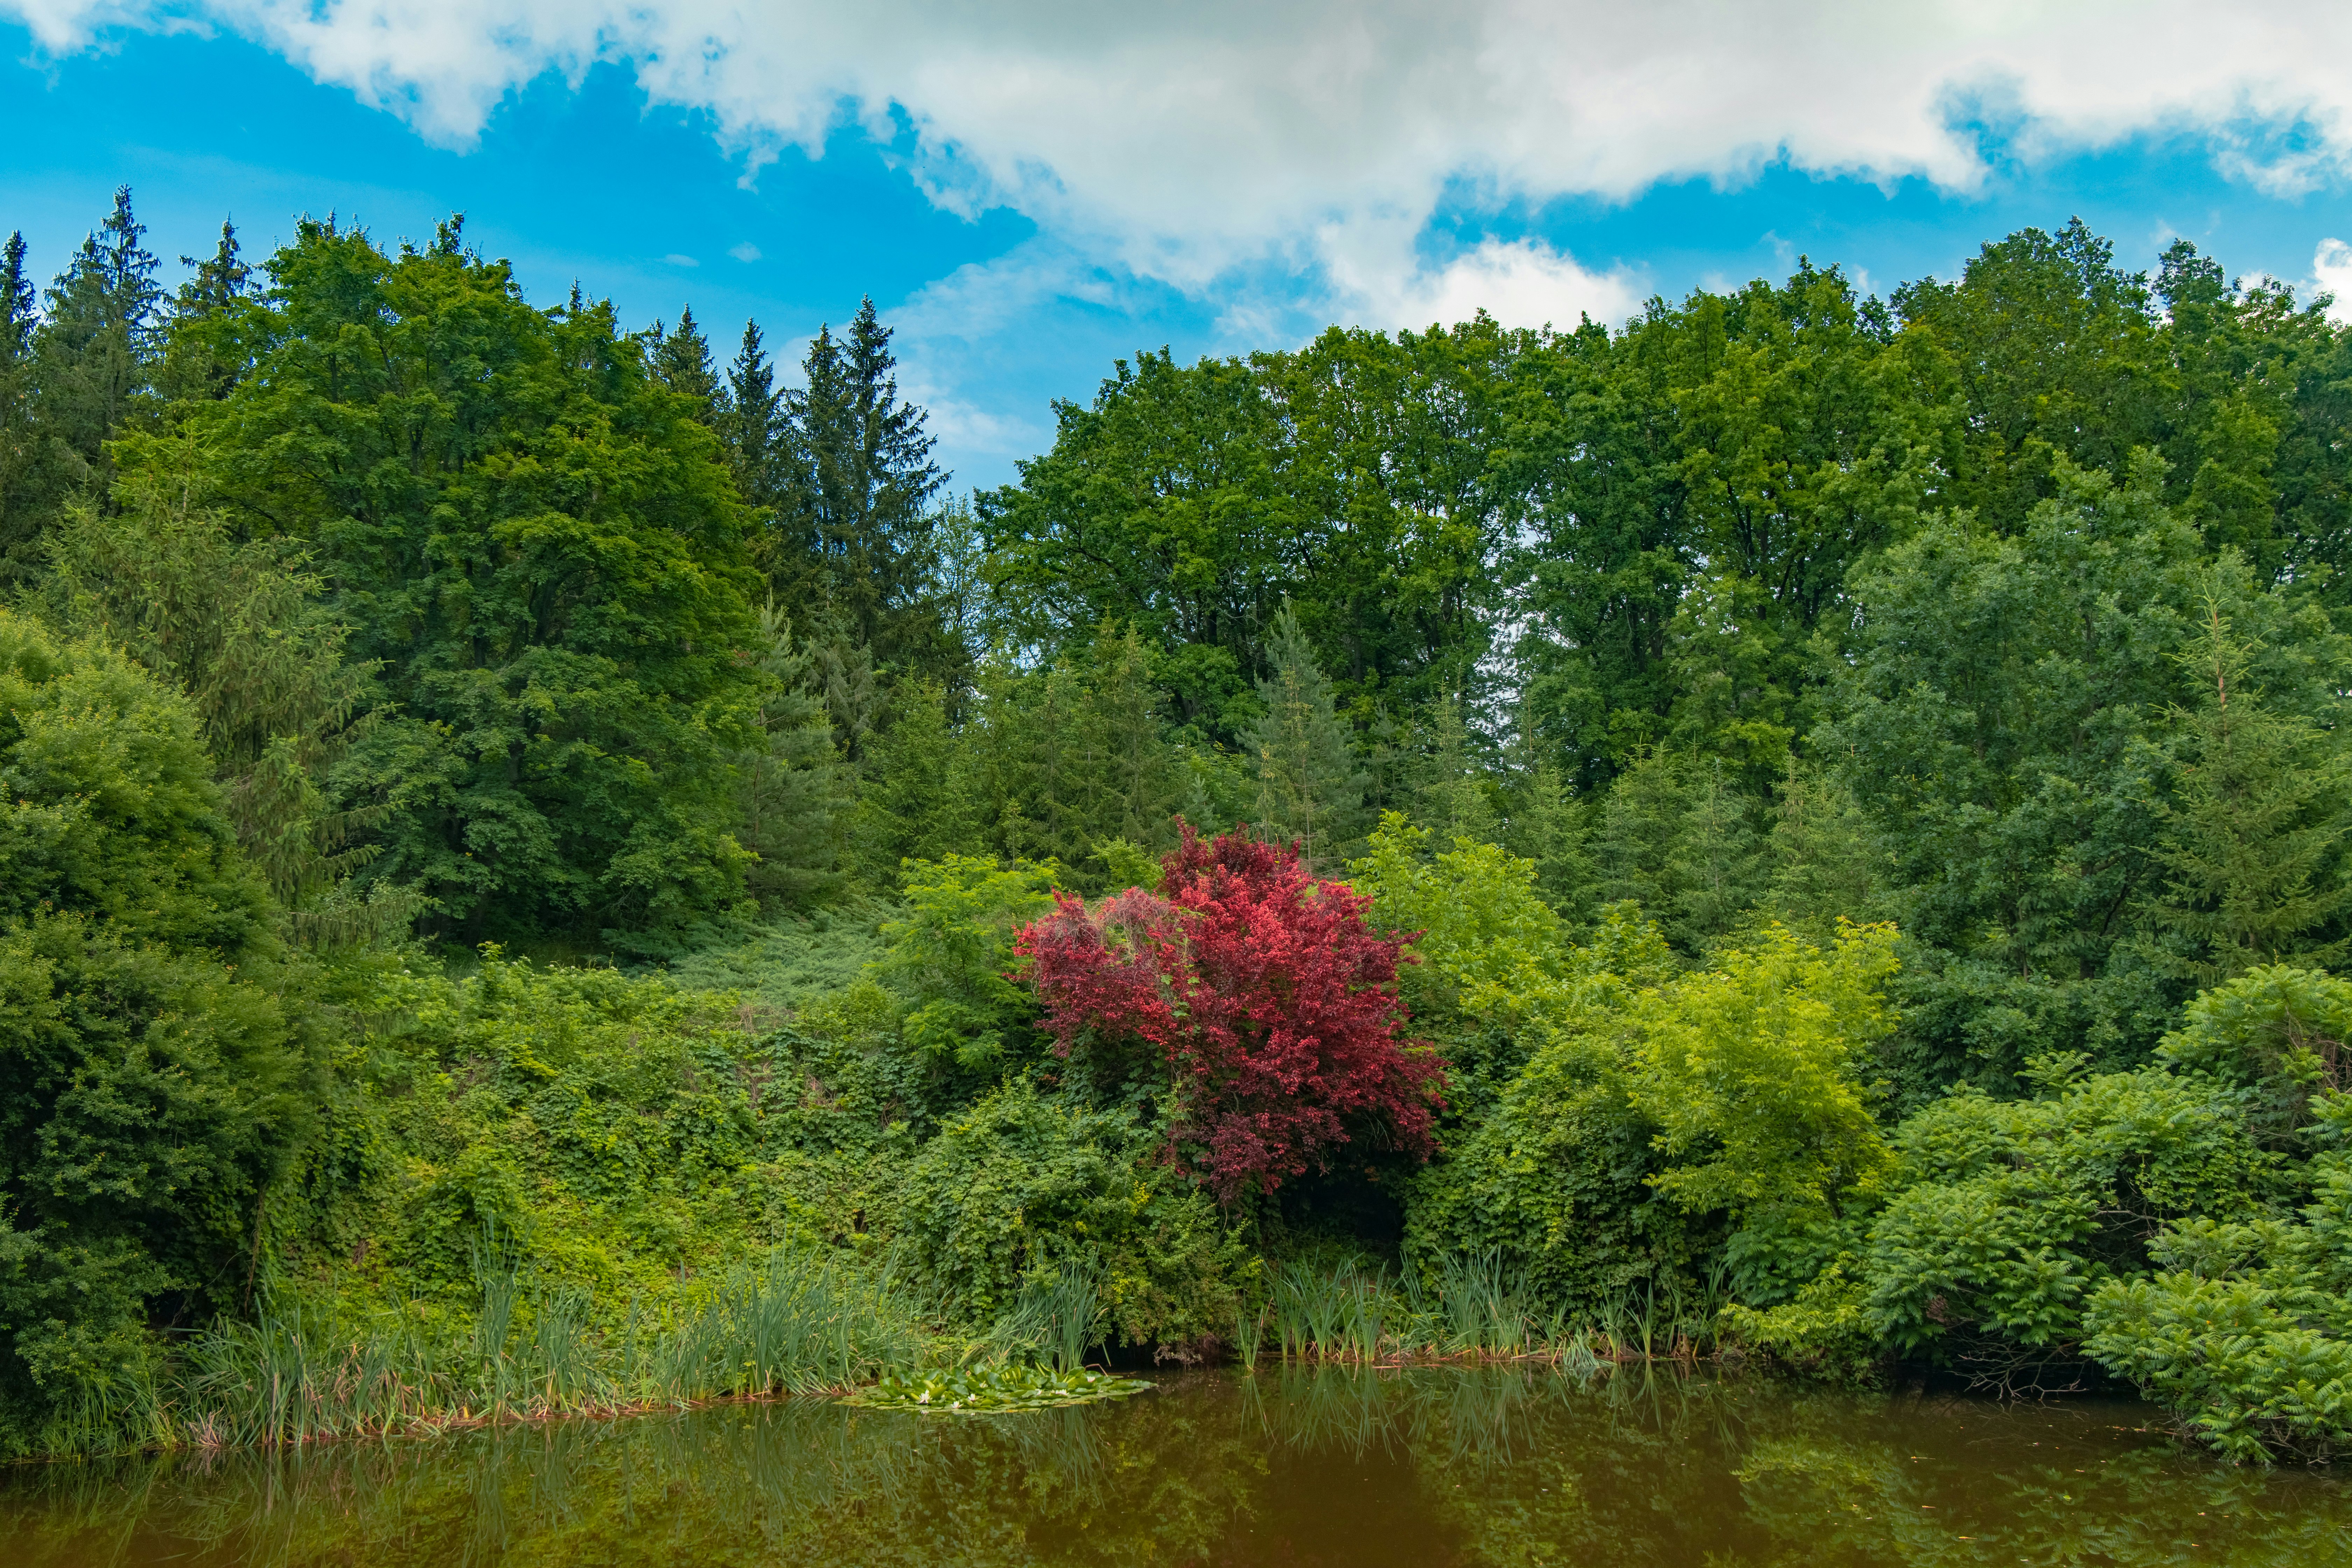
[[2010, 1213], [1260, 993]]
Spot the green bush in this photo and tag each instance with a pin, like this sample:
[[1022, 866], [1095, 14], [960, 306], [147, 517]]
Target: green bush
[[152, 1084], [1024, 1183]]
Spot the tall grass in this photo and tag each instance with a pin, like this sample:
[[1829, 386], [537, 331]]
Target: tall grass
[[793, 1323], [1056, 1318], [1475, 1306]]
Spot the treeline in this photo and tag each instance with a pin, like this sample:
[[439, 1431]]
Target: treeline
[[1968, 663]]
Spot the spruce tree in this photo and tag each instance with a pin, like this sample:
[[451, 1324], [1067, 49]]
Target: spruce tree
[[862, 484], [1137, 785], [793, 782], [1310, 789], [2253, 837], [202, 354], [681, 358], [18, 318], [751, 422], [1455, 801], [98, 343], [1826, 858]]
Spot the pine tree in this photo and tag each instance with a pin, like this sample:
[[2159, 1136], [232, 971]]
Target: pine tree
[[1826, 858], [1548, 827], [1137, 783], [681, 358], [1716, 863], [1310, 787], [2254, 835], [862, 480], [918, 801]]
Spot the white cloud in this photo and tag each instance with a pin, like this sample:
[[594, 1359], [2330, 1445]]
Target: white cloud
[[675, 259], [1184, 142], [2331, 272], [747, 251]]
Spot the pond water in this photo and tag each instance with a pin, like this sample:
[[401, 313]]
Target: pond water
[[1289, 1466]]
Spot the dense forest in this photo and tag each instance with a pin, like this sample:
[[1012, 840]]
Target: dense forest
[[539, 853]]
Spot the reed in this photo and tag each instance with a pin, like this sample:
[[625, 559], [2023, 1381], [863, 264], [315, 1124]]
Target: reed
[[1472, 1307], [1056, 1318], [297, 1373]]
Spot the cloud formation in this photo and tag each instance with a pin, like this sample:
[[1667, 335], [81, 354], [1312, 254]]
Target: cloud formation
[[1319, 136], [2331, 273]]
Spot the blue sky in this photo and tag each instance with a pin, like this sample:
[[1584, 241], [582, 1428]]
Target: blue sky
[[1020, 252]]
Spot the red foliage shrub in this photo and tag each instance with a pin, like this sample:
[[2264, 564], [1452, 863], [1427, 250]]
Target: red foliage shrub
[[1263, 993]]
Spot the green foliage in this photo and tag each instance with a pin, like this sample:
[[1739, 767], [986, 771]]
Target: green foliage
[[2253, 837], [1309, 789], [2246, 1329], [1752, 1072], [531, 536], [949, 955], [240, 630], [2006, 1215], [151, 1073], [1025, 1182]]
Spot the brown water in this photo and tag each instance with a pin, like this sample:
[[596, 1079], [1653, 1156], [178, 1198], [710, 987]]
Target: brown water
[[1295, 1468]]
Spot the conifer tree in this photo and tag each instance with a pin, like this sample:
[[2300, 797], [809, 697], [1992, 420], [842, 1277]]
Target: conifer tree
[[18, 318], [1826, 861], [682, 359], [99, 340], [1548, 827], [1453, 798], [1136, 781], [793, 782], [862, 484], [1310, 787], [240, 628], [919, 802], [202, 355], [2254, 835], [751, 422]]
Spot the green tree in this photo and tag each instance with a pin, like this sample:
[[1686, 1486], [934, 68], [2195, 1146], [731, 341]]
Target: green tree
[[2058, 356], [794, 786], [19, 435], [1157, 506], [202, 352], [1995, 723], [241, 629], [752, 414], [681, 357], [1310, 789], [151, 1084], [857, 519], [97, 346], [2252, 839], [528, 535]]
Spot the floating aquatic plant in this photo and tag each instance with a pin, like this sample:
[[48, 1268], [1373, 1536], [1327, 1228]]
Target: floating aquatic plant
[[1003, 1387]]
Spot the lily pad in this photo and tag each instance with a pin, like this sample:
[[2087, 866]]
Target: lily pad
[[994, 1390]]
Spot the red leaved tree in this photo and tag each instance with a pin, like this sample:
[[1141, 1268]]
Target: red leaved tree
[[1260, 993]]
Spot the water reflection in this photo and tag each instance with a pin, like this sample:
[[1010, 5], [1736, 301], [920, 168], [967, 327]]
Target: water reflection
[[1294, 1467]]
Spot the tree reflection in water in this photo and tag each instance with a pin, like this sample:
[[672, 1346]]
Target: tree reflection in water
[[1293, 1466]]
